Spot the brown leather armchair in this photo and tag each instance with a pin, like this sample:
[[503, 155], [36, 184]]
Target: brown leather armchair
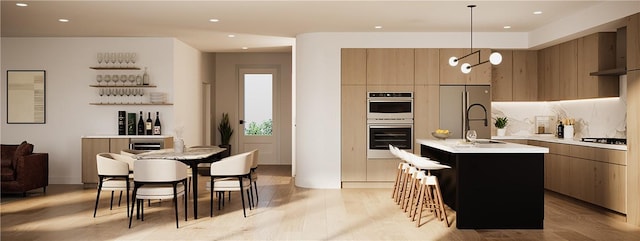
[[23, 170]]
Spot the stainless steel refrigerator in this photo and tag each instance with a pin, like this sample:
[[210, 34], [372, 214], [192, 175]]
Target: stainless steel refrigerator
[[457, 100]]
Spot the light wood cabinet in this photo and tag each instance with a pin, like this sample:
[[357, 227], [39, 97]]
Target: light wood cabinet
[[427, 67], [525, 75], [591, 174], [516, 78], [633, 145], [633, 42], [597, 52], [390, 66], [93, 146], [568, 71], [353, 67], [353, 133], [426, 112], [480, 74], [502, 78], [549, 73]]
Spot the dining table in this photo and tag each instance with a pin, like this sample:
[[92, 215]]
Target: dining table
[[191, 156]]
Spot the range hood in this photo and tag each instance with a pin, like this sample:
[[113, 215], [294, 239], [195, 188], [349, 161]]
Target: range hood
[[621, 56]]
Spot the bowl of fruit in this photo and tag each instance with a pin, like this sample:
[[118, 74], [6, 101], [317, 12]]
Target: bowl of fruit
[[441, 134]]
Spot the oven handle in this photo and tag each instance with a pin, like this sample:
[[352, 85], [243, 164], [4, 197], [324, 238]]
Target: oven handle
[[390, 126], [389, 100]]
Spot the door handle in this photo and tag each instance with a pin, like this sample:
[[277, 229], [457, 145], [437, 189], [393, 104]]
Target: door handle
[[241, 122]]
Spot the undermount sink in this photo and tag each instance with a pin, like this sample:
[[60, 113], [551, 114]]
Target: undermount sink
[[488, 142]]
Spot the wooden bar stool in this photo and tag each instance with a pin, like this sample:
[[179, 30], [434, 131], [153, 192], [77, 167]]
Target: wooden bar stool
[[429, 195]]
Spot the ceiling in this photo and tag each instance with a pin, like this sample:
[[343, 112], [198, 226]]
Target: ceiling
[[270, 26]]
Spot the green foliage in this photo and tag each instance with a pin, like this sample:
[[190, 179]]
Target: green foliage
[[263, 129], [225, 129], [501, 122]]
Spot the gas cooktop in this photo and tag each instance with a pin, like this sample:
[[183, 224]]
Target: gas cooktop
[[615, 141]]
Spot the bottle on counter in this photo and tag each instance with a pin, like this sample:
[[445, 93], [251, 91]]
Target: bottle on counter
[[148, 125], [140, 125], [560, 130], [122, 125], [156, 125]]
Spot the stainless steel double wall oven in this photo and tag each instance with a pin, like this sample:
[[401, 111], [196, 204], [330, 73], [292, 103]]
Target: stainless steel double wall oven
[[389, 121]]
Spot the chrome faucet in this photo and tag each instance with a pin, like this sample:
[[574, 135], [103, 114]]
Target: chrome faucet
[[486, 120]]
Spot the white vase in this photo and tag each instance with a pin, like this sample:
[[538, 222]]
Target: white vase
[[568, 132], [502, 131]]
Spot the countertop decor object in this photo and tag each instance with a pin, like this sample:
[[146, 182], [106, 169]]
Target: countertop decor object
[[501, 124]]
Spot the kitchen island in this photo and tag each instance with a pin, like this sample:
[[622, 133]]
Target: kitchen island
[[491, 184]]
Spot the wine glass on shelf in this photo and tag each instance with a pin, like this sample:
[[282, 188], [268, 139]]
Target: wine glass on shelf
[[99, 78], [107, 79], [132, 79], [101, 92], [100, 59], [113, 58], [127, 59], [123, 79], [472, 136], [120, 59], [115, 79], [134, 58]]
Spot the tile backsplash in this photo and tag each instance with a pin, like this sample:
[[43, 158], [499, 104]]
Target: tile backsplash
[[604, 117]]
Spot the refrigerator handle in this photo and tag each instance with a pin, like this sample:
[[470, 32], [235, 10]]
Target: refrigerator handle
[[464, 113]]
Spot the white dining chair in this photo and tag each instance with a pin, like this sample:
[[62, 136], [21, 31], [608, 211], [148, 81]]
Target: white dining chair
[[158, 179], [113, 175], [231, 174], [253, 175]]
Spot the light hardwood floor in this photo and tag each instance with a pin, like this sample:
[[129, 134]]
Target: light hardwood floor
[[285, 212]]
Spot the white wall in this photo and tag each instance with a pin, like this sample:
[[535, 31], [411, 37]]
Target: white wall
[[187, 88], [68, 113]]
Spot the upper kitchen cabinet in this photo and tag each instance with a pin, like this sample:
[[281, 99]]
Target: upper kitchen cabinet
[[502, 78], [525, 75], [633, 42], [480, 74], [568, 70], [597, 52], [354, 66], [390, 66], [427, 67], [549, 73], [516, 78]]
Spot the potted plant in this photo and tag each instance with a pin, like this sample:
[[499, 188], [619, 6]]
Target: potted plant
[[225, 133], [501, 123]]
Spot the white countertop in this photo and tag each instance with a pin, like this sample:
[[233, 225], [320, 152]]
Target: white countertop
[[126, 136], [460, 146], [553, 139]]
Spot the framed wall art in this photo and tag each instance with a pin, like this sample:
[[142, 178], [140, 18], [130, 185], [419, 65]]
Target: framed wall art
[[26, 102]]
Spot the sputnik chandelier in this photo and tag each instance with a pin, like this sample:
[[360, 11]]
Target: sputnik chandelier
[[495, 58]]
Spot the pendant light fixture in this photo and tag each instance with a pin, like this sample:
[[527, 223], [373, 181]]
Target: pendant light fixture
[[495, 58]]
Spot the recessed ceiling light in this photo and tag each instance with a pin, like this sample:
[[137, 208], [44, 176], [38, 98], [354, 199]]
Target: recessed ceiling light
[[63, 20], [22, 4], [231, 36], [214, 20], [506, 27], [245, 48], [378, 27], [537, 12]]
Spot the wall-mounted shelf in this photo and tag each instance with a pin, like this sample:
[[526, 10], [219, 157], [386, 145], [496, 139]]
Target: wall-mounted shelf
[[131, 103], [123, 86], [115, 68]]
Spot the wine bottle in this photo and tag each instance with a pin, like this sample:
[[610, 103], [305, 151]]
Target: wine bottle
[[156, 125], [145, 77], [122, 126], [140, 125], [148, 125]]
